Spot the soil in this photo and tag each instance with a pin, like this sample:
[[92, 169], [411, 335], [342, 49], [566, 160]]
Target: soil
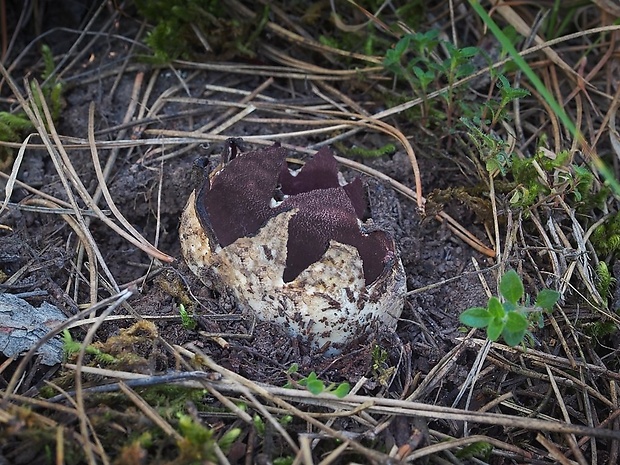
[[429, 252], [39, 250], [44, 243]]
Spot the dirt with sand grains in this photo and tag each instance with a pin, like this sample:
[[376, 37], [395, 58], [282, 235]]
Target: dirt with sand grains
[[152, 193], [146, 121]]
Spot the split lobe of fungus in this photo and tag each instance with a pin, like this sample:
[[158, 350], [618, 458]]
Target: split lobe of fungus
[[258, 185]]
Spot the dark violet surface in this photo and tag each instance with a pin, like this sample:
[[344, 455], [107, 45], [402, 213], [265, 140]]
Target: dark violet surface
[[236, 204], [237, 201], [321, 172]]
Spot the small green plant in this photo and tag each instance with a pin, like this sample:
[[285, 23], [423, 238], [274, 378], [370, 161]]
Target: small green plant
[[480, 450], [171, 399], [544, 91], [197, 443], [567, 179], [606, 237], [52, 87], [259, 423], [381, 371], [172, 35], [315, 385], [71, 346], [605, 281], [13, 126], [415, 58], [183, 28], [187, 320], [510, 319], [491, 147], [599, 329], [507, 94], [387, 149]]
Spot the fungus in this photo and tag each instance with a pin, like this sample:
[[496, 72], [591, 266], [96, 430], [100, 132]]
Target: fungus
[[293, 247]]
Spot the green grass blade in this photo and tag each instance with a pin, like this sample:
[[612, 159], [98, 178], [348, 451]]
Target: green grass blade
[[542, 89]]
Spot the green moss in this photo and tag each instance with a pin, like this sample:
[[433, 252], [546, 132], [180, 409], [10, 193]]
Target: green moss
[[183, 28], [599, 329], [481, 450], [387, 149], [606, 237], [170, 400], [198, 442], [604, 280], [14, 126]]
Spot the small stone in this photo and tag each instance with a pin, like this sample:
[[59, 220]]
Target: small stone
[[22, 326]]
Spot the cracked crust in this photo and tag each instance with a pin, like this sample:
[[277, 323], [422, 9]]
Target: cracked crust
[[328, 304]]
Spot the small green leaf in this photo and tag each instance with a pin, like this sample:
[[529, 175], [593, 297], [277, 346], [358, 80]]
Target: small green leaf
[[468, 52], [513, 338], [259, 424], [502, 82], [496, 309], [476, 317], [292, 369], [511, 286], [547, 298], [465, 70], [495, 328], [516, 322], [226, 441], [342, 390], [515, 329], [425, 77], [509, 307], [315, 386], [187, 320], [285, 420]]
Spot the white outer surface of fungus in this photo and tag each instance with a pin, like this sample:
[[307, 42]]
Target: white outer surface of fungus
[[328, 305]]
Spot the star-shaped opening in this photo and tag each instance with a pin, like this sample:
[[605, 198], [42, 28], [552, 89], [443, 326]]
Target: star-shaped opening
[[258, 185]]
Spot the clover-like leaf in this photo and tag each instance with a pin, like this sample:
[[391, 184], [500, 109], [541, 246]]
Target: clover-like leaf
[[469, 52], [294, 368], [496, 309], [547, 298], [515, 321], [516, 326], [315, 386], [342, 390], [476, 317], [511, 286], [513, 338], [495, 328], [509, 307]]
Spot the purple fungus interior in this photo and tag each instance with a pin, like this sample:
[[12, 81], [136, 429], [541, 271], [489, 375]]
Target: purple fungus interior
[[237, 202], [321, 172]]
